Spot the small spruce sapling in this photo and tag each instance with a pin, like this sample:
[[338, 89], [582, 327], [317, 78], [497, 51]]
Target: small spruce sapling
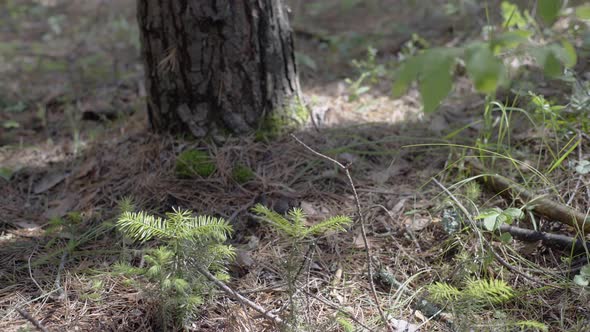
[[186, 241], [292, 227]]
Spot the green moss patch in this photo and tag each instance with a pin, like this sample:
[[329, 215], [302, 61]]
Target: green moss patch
[[193, 163], [242, 174], [282, 121]]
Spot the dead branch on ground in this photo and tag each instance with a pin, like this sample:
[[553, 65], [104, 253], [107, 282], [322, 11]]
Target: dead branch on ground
[[32, 320], [542, 205]]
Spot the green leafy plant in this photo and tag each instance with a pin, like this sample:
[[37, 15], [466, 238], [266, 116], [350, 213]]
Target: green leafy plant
[[186, 241], [494, 218], [357, 87], [193, 163], [484, 60], [292, 227]]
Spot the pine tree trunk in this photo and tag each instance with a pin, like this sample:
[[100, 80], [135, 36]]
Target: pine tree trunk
[[213, 66]]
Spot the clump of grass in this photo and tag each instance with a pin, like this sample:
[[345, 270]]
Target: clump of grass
[[193, 163]]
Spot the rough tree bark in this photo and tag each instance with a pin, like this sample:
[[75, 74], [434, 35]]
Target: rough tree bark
[[213, 66]]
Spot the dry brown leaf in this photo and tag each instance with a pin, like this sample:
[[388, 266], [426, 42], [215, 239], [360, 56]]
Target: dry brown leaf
[[398, 207], [417, 222]]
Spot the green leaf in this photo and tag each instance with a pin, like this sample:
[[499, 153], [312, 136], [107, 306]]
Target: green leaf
[[549, 61], [362, 90], [488, 213], [506, 238], [510, 39], [566, 53], [581, 280], [490, 223], [529, 325], [512, 16], [436, 80], [492, 218], [406, 74], [585, 271], [16, 108], [503, 219], [514, 213], [490, 291], [180, 284], [549, 10], [583, 167], [484, 68], [583, 12]]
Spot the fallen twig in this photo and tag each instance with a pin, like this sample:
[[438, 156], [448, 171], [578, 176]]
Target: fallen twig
[[430, 310], [32, 320], [542, 206], [62, 263], [238, 297], [549, 239]]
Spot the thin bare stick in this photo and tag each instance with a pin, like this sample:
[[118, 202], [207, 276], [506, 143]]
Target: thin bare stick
[[549, 239], [32, 320], [238, 297], [62, 263], [362, 224], [31, 273]]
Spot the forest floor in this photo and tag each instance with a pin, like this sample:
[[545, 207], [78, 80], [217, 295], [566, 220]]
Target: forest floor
[[74, 141]]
